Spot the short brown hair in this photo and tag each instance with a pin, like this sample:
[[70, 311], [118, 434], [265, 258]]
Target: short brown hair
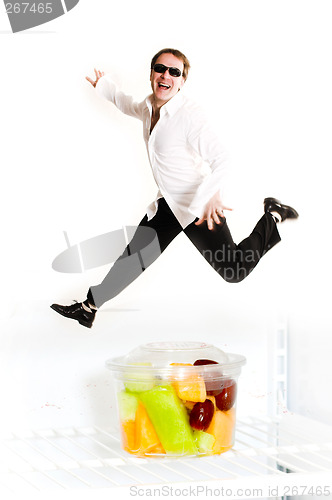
[[176, 53]]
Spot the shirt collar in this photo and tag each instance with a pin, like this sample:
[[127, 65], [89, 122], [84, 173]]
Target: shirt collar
[[171, 106]]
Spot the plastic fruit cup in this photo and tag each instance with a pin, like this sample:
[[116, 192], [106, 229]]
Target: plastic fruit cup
[[176, 398]]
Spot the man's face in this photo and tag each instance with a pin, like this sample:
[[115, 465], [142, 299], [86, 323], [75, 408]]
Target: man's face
[[164, 86]]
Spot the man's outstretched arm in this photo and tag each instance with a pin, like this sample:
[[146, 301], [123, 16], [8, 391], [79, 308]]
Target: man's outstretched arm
[[107, 89]]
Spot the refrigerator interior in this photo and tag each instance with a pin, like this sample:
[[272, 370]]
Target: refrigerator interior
[[59, 432]]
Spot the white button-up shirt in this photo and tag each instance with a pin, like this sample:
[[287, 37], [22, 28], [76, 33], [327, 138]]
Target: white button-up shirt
[[179, 147]]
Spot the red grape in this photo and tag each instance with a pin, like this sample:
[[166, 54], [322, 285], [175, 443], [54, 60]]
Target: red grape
[[226, 399], [199, 362], [201, 415], [213, 381]]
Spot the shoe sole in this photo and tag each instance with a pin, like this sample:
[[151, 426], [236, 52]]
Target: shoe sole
[[87, 325]]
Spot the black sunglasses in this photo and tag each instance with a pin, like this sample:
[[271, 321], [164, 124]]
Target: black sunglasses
[[161, 68]]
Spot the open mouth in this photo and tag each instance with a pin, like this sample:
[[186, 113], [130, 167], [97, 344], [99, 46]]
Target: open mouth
[[164, 86]]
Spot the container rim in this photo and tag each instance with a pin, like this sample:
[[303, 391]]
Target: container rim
[[118, 366]]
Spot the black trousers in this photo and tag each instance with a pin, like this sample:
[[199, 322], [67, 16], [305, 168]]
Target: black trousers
[[232, 262]]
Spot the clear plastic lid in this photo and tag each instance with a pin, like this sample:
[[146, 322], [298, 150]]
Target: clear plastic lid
[[162, 358]]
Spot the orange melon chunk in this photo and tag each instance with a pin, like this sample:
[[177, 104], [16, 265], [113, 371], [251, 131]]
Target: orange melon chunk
[[146, 437], [222, 428], [189, 404], [128, 435], [191, 388], [158, 449]]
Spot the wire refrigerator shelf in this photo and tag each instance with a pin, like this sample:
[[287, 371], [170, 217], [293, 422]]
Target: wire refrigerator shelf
[[91, 458]]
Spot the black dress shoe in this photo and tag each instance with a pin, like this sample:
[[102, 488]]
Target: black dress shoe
[[76, 311], [285, 212]]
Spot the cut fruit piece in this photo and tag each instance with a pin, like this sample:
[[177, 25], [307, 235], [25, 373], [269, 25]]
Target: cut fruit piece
[[146, 436], [157, 450], [127, 405], [204, 441], [170, 420], [189, 404], [222, 427], [213, 379], [200, 362], [139, 381], [201, 415], [128, 434], [191, 386], [226, 399]]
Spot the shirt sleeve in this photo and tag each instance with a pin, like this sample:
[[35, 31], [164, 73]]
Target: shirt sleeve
[[108, 90], [204, 141]]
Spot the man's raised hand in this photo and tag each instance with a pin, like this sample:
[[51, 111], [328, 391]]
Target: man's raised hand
[[99, 74]]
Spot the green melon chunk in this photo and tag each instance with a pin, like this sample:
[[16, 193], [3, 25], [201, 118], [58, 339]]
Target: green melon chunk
[[170, 420], [127, 405], [204, 441], [139, 381]]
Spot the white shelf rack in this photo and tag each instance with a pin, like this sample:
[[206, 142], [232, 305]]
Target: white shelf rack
[[88, 459]]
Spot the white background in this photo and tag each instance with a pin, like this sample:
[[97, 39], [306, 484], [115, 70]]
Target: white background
[[70, 162]]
